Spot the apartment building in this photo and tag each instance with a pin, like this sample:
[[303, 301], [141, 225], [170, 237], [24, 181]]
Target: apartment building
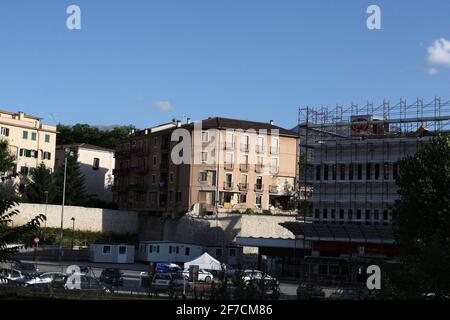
[[31, 141], [228, 165], [96, 164]]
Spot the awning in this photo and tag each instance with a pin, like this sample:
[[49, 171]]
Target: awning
[[342, 233]]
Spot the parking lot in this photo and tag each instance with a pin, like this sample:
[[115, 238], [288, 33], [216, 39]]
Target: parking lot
[[131, 275]]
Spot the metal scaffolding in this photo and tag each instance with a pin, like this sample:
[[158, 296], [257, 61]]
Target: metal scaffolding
[[320, 127]]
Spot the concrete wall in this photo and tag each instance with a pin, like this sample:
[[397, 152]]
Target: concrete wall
[[211, 231], [87, 219]]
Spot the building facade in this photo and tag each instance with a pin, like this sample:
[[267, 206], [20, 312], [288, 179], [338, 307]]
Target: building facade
[[31, 141], [226, 165], [96, 164]]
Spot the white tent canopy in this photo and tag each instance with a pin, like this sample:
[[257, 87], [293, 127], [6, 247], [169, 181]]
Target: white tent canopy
[[205, 261]]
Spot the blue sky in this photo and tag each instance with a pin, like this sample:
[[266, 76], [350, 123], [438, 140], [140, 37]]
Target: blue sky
[[145, 62]]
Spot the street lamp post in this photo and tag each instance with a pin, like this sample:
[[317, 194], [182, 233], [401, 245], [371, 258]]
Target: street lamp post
[[73, 230], [67, 154]]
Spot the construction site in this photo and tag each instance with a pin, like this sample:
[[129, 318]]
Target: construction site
[[349, 164]]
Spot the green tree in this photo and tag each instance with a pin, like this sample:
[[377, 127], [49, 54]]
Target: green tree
[[7, 160], [10, 237], [41, 185], [83, 133], [75, 186], [422, 219]]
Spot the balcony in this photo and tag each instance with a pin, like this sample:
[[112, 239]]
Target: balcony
[[244, 147], [274, 150], [274, 169], [228, 185], [139, 169], [259, 148], [228, 166], [259, 168], [229, 145], [120, 171], [259, 187], [243, 186], [138, 187], [273, 189], [244, 167]]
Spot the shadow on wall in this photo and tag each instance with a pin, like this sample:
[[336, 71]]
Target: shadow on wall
[[220, 231], [95, 182]]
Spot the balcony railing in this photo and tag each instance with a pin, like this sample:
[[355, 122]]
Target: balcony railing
[[244, 166], [273, 189], [274, 169], [119, 171], [228, 185], [229, 145], [274, 150], [243, 186], [139, 169], [259, 148], [228, 166], [244, 147], [259, 168], [259, 187]]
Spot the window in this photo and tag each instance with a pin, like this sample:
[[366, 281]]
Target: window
[[150, 249], [187, 251], [155, 159], [359, 171], [122, 250], [106, 249], [177, 250], [204, 156], [205, 136], [395, 171], [171, 177], [325, 214], [170, 249], [218, 252], [317, 214], [243, 198], [377, 171], [333, 172], [96, 164], [203, 176], [385, 215], [25, 135], [325, 172], [4, 132], [386, 171], [341, 214], [351, 169], [178, 196], [376, 215], [368, 171], [342, 171], [47, 138], [24, 171], [318, 172], [33, 136], [232, 252], [258, 200], [157, 249], [153, 179], [46, 155], [367, 218], [275, 145], [260, 145], [350, 215]]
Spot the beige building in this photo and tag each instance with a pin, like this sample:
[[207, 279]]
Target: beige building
[[228, 164], [31, 141]]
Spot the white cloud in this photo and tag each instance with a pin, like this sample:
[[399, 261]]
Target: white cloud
[[438, 55], [164, 105]]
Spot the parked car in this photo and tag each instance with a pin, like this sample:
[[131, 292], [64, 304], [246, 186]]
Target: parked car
[[307, 291], [350, 294], [45, 279], [166, 281], [26, 267], [203, 275], [88, 283], [11, 274], [254, 275], [167, 268], [112, 276]]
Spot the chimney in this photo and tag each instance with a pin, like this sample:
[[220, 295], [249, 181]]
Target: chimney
[[188, 120], [271, 122], [178, 123]]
